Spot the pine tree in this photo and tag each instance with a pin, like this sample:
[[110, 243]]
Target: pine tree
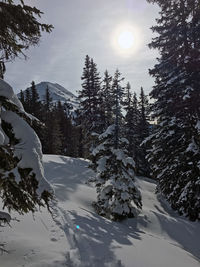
[[27, 101], [114, 178], [175, 156], [22, 184], [35, 104], [14, 40], [53, 137], [89, 110], [48, 100], [21, 98], [114, 169], [118, 93], [107, 99], [143, 133], [129, 122]]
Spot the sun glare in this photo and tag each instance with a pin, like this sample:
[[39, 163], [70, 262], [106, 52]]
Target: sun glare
[[126, 39]]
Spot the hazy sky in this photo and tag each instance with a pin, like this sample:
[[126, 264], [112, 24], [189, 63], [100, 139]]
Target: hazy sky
[[90, 27]]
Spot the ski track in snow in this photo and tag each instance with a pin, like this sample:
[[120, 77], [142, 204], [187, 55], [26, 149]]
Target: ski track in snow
[[156, 222], [158, 237], [78, 245], [78, 256]]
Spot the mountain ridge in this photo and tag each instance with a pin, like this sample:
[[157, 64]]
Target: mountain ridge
[[57, 93]]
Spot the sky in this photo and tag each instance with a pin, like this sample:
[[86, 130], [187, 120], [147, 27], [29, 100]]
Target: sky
[[88, 27]]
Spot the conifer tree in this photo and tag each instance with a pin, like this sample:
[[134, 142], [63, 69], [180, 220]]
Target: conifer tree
[[53, 137], [114, 180], [27, 101], [48, 100], [14, 40], [89, 110], [143, 133], [21, 98], [131, 131], [35, 106], [118, 93], [175, 156], [114, 169], [22, 184], [107, 99]]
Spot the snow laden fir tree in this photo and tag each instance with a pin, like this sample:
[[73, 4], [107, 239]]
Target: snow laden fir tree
[[22, 183], [116, 190], [175, 153], [117, 194]]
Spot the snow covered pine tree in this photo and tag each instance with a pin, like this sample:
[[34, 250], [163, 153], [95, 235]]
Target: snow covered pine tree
[[175, 154], [22, 183], [116, 190]]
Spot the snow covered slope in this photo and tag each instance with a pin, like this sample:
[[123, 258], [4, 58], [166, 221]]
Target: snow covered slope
[[78, 237], [57, 93]]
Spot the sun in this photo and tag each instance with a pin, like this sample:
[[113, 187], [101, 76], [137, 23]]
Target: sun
[[125, 40]]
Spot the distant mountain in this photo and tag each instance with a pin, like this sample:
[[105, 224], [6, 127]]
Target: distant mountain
[[57, 93]]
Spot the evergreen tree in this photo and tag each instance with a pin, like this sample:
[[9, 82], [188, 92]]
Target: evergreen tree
[[114, 169], [114, 180], [22, 184], [175, 156], [21, 98], [107, 99], [53, 137], [143, 133], [35, 106], [118, 93], [90, 111], [131, 122], [27, 101], [14, 40]]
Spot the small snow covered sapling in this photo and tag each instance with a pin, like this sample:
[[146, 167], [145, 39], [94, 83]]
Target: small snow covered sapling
[[117, 194], [22, 183]]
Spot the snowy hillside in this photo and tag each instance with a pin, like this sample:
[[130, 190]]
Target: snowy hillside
[[78, 237], [57, 92]]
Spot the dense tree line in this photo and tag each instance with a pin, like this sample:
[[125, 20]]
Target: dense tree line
[[104, 101], [114, 124], [110, 120], [175, 144], [55, 128], [62, 132]]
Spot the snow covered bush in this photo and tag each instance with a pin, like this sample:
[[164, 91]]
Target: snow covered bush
[[116, 191], [22, 183]]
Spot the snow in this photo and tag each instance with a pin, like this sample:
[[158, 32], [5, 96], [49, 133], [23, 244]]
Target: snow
[[109, 131], [198, 126], [28, 150], [192, 147], [57, 93], [7, 91], [157, 237]]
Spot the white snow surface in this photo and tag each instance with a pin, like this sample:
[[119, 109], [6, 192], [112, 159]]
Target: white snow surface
[[78, 237], [28, 150], [7, 91]]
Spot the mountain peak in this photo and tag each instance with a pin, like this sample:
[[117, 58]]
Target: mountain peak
[[57, 93]]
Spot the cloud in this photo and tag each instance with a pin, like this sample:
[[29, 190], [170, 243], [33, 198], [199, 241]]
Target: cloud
[[86, 27]]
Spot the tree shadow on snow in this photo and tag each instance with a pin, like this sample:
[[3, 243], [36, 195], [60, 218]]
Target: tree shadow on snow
[[102, 236], [66, 175], [180, 229]]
